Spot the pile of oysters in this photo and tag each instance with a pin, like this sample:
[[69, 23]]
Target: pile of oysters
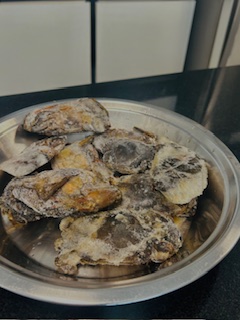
[[122, 197]]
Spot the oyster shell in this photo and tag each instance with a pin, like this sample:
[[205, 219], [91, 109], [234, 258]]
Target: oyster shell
[[23, 195], [139, 193], [125, 151], [79, 154], [75, 116], [178, 173], [34, 156], [57, 193], [82, 155], [119, 237]]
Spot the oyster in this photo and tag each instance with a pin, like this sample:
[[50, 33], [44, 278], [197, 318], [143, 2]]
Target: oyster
[[22, 195], [68, 117], [82, 155], [178, 173], [119, 237], [139, 193], [57, 194], [34, 156], [79, 154], [125, 151]]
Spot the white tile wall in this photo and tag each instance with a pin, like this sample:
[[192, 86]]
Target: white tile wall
[[44, 45], [141, 38]]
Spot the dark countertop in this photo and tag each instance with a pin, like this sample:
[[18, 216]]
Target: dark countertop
[[210, 97]]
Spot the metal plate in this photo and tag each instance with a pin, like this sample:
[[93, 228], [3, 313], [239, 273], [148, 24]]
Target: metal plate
[[27, 254]]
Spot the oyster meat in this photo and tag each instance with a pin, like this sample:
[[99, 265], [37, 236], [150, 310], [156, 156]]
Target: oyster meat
[[68, 117], [126, 151], [118, 237], [34, 156]]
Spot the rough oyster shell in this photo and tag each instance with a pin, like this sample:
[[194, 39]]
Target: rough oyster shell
[[75, 116], [116, 238]]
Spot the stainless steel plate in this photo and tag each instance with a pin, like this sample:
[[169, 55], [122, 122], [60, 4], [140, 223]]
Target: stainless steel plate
[[27, 253]]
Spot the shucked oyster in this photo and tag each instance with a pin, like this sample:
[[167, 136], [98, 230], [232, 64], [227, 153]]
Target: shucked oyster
[[116, 238], [125, 151], [75, 116], [34, 156], [57, 193], [178, 173]]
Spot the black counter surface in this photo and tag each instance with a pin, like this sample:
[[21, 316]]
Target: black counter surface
[[210, 97]]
